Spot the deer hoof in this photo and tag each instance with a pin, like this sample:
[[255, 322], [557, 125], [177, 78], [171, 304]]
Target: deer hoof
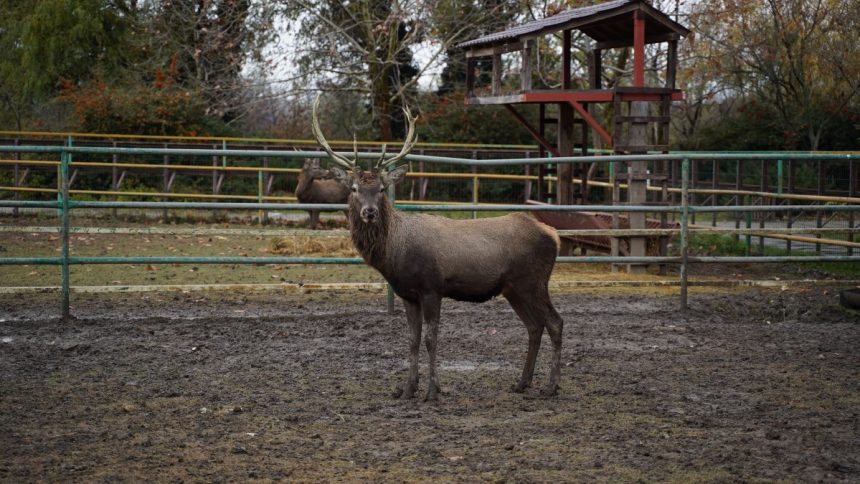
[[432, 393], [405, 391], [519, 387], [550, 390]]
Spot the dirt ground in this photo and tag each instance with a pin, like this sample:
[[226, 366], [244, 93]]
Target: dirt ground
[[759, 385]]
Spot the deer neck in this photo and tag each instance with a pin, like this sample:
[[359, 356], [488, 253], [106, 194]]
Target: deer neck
[[371, 239], [305, 181]]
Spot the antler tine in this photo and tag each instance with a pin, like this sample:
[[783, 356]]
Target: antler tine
[[355, 148], [382, 154], [315, 126], [408, 143]]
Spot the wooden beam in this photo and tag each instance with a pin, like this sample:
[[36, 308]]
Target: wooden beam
[[535, 134], [596, 65], [671, 64], [494, 100], [581, 96], [494, 50], [565, 148], [526, 70], [559, 96], [565, 60], [592, 122], [470, 78], [638, 49], [637, 190], [497, 74]]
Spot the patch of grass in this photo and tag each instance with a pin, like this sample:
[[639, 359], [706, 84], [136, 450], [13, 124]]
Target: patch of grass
[[713, 244], [726, 245]]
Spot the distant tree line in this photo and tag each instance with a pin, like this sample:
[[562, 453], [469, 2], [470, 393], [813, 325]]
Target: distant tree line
[[758, 74]]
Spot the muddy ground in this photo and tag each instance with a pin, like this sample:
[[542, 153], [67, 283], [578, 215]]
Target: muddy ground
[[217, 387]]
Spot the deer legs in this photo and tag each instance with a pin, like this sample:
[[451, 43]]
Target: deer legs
[[554, 326], [416, 313], [535, 334], [430, 306], [536, 312], [413, 321], [314, 219]]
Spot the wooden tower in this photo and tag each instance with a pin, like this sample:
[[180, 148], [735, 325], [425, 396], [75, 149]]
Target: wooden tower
[[611, 25]]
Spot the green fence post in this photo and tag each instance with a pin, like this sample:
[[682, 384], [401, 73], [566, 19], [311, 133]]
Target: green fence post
[[779, 177], [779, 172], [474, 183], [685, 208], [611, 170], [748, 237], [17, 183], [475, 194], [260, 196], [65, 160]]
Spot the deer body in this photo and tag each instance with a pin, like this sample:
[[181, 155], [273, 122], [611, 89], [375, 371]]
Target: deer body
[[466, 260], [426, 258], [317, 186]]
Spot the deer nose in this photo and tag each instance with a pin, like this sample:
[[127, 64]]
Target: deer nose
[[369, 213]]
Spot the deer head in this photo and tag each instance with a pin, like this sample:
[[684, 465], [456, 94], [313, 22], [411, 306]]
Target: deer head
[[311, 168], [367, 188]]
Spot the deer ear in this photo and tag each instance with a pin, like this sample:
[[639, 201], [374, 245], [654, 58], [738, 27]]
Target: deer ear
[[341, 176], [395, 176]]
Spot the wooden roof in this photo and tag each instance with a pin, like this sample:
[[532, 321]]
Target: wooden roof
[[607, 23]]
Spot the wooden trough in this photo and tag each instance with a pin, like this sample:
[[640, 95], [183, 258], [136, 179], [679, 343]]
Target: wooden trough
[[598, 221]]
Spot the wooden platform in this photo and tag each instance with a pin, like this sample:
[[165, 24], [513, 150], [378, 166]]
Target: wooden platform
[[578, 96]]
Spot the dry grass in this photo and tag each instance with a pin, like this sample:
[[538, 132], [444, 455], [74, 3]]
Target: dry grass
[[312, 246]]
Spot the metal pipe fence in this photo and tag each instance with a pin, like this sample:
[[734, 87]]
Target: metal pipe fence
[[476, 178], [683, 209], [480, 187]]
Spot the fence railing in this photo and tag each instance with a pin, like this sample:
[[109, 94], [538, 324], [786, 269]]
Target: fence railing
[[683, 209], [711, 179]]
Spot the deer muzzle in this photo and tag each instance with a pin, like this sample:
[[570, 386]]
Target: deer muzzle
[[369, 214]]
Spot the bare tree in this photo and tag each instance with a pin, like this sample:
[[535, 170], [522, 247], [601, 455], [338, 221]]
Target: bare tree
[[367, 47], [798, 57], [209, 44]]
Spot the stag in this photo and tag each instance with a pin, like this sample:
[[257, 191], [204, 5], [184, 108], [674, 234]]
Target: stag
[[317, 186], [426, 258]]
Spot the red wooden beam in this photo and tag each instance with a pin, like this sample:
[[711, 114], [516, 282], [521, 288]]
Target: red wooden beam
[[561, 97], [638, 49], [535, 133], [592, 122]]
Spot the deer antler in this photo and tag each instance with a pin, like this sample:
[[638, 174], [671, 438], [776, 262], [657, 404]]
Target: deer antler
[[339, 160], [408, 144]]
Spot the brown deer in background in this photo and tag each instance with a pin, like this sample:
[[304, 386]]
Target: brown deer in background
[[426, 258], [317, 186]]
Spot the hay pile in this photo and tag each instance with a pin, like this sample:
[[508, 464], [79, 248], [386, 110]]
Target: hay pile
[[304, 246]]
